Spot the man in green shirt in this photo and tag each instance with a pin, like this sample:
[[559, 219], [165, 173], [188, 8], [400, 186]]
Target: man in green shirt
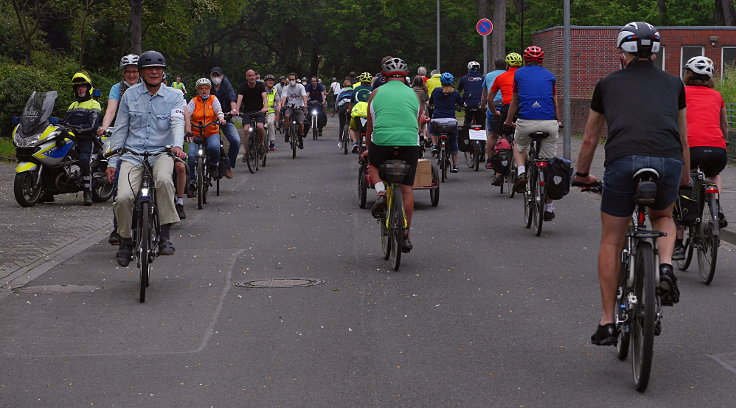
[[394, 116]]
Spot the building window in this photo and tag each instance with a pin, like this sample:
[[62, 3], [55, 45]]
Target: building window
[[659, 61], [728, 59], [689, 51]]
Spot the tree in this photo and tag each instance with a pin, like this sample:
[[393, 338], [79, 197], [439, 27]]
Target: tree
[[498, 38], [136, 12], [725, 14], [26, 11]]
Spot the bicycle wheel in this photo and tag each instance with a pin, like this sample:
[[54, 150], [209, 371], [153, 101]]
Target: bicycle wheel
[[218, 186], [293, 140], [200, 182], [688, 243], [251, 154], [709, 240], [443, 163], [529, 195], [397, 229], [476, 155], [206, 184], [624, 327], [385, 235], [468, 159], [434, 193], [362, 186], [644, 315], [509, 180], [263, 157], [539, 201], [345, 136], [144, 248], [314, 129]]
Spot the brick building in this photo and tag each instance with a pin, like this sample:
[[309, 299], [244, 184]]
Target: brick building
[[594, 55]]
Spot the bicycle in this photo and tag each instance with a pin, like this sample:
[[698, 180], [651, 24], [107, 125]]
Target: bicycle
[[202, 166], [345, 133], [313, 117], [146, 228], [443, 155], [393, 221], [638, 310], [292, 132], [253, 155], [510, 173], [535, 195], [703, 236], [477, 137]]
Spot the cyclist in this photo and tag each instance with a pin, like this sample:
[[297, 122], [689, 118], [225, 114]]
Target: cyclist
[[504, 83], [294, 95], [280, 86], [422, 72], [534, 100], [644, 109], [253, 102], [203, 109], [361, 93], [417, 84], [492, 112], [179, 85], [353, 79], [84, 112], [707, 127], [271, 114], [433, 81], [317, 100], [335, 89], [392, 134], [225, 93], [444, 101], [471, 86], [342, 102], [151, 116]]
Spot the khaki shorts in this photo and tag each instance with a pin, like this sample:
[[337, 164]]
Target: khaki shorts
[[522, 140]]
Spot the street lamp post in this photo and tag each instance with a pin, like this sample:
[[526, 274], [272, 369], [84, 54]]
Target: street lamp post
[[438, 35], [566, 145]]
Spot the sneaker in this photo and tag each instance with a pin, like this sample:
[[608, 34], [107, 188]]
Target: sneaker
[[605, 335], [229, 173], [497, 180], [180, 211], [301, 143], [192, 190], [455, 168], [549, 215], [668, 291], [166, 247], [679, 253], [722, 222], [319, 134], [489, 165], [87, 198], [355, 148], [379, 207], [114, 238], [406, 245], [272, 146], [520, 183], [124, 252], [435, 149], [339, 145]]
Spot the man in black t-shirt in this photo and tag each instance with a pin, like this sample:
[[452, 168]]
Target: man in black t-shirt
[[253, 102], [316, 101], [644, 109]]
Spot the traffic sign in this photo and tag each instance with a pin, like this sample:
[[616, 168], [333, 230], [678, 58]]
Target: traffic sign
[[484, 26]]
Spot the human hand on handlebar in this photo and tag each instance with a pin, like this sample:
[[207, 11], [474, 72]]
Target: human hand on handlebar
[[101, 131], [110, 174], [178, 152]]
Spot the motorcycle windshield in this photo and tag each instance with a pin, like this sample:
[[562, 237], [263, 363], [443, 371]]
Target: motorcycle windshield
[[37, 111]]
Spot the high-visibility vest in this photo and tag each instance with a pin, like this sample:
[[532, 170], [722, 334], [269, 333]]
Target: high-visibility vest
[[271, 100], [205, 113]]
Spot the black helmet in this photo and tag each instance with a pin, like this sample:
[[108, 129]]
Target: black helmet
[[639, 38], [151, 59]]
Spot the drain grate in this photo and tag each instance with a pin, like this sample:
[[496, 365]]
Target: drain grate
[[279, 283], [55, 289]]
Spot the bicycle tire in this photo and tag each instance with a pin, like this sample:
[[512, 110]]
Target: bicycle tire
[[362, 186], [293, 141], [688, 243], [251, 154], [344, 135], [385, 236], [539, 202], [476, 155], [443, 163], [468, 159], [624, 329], [144, 249], [206, 186], [397, 228], [709, 240], [218, 186], [263, 157], [509, 180], [200, 182], [529, 206], [314, 129], [644, 315], [434, 192]]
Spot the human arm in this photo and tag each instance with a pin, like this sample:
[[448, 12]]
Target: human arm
[[188, 122], [682, 124], [264, 97], [112, 108], [118, 137], [217, 107], [239, 102], [724, 123], [179, 119], [557, 107], [592, 135], [513, 108], [369, 125]]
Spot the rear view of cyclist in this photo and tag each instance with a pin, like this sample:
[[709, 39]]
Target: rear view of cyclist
[[444, 101], [471, 86], [361, 93], [342, 103], [644, 109], [504, 83]]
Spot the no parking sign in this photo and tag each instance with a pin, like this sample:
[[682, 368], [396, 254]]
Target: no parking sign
[[484, 26]]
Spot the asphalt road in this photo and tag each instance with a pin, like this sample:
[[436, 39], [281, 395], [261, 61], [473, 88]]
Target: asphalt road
[[482, 313]]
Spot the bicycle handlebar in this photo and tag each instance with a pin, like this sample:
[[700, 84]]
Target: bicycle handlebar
[[123, 150], [595, 187]]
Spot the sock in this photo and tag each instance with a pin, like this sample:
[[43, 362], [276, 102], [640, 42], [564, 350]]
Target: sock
[[520, 169], [180, 200], [548, 207], [380, 187]]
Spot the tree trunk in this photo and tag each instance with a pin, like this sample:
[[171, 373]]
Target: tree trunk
[[482, 6], [498, 37], [136, 10], [718, 17], [314, 63], [662, 10], [25, 31], [729, 15]]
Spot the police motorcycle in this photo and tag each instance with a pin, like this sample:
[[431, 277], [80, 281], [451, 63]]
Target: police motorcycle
[[48, 163]]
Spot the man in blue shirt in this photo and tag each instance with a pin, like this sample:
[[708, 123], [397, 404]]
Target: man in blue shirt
[[150, 117], [492, 118], [471, 87]]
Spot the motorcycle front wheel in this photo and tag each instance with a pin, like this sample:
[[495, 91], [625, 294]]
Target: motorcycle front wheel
[[27, 193], [101, 190]]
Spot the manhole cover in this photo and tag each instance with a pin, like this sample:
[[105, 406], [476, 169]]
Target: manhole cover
[[280, 283], [53, 289]]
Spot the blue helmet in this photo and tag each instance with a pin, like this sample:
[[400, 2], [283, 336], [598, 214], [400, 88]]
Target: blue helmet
[[447, 79]]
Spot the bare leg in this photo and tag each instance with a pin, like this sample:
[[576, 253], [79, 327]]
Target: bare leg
[[613, 230], [181, 178], [662, 221]]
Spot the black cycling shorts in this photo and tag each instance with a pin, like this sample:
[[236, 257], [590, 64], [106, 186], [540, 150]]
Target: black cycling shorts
[[499, 125], [260, 117], [712, 160], [377, 155]]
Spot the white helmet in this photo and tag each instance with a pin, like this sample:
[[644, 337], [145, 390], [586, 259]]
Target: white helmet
[[203, 81], [700, 65], [473, 66], [127, 60]]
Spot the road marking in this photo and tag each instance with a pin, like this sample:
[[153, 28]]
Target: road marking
[[727, 361]]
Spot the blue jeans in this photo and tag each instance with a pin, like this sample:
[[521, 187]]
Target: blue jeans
[[213, 154], [231, 133], [619, 188]]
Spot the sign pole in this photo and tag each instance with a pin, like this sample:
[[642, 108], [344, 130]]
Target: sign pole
[[485, 54], [484, 27], [567, 115]]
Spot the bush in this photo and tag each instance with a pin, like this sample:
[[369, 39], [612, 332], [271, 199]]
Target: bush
[[726, 85]]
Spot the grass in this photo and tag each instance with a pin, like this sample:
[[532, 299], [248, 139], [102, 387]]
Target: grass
[[6, 147]]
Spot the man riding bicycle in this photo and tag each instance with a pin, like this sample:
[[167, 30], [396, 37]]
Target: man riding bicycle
[[294, 97], [150, 118], [644, 109], [471, 87], [317, 100], [203, 109], [393, 134], [225, 93], [361, 93], [274, 97], [504, 83], [253, 102]]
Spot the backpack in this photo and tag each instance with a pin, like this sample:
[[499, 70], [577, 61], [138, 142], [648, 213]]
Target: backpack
[[501, 156], [558, 175]]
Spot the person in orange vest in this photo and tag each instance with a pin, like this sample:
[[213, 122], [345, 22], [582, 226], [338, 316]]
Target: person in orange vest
[[203, 109]]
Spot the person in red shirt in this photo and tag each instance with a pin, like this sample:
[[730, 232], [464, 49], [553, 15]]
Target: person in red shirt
[[707, 128]]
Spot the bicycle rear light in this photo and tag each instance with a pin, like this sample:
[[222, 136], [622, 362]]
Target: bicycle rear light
[[711, 190]]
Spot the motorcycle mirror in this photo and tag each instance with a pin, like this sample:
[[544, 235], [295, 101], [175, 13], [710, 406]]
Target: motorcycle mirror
[[96, 93], [54, 120], [15, 120]]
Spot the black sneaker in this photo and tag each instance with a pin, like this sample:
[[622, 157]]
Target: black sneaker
[[722, 222], [87, 198], [301, 143], [406, 245], [605, 335], [379, 207], [166, 247], [180, 211], [497, 180], [114, 238], [679, 253], [549, 215], [668, 291], [520, 183], [124, 252]]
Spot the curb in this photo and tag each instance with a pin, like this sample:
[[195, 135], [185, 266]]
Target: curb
[[728, 236]]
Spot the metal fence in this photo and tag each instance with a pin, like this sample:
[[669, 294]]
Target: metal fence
[[731, 147]]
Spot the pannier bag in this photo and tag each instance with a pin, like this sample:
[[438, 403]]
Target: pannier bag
[[501, 156], [686, 206], [463, 139], [559, 173]]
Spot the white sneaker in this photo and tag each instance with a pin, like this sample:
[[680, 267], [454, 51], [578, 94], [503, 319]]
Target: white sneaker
[[339, 145]]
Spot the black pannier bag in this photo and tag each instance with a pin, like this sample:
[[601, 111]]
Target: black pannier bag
[[559, 173]]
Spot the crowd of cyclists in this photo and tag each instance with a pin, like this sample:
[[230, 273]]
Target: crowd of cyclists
[[512, 101]]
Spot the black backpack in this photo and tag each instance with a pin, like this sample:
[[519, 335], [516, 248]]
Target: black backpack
[[558, 175]]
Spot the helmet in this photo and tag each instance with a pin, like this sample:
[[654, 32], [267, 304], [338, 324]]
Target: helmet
[[203, 82], [700, 65], [447, 78], [269, 76], [638, 38], [281, 78], [127, 60], [513, 59], [81, 78], [395, 67], [151, 59], [473, 66], [365, 77], [533, 53]]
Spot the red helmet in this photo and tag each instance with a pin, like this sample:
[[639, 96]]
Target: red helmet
[[533, 53]]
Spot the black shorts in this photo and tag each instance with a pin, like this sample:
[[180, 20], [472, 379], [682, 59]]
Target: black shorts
[[260, 117], [712, 160], [377, 155], [504, 114]]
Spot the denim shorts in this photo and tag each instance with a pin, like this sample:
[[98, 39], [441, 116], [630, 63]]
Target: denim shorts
[[619, 187]]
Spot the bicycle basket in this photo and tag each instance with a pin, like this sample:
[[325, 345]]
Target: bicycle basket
[[393, 171]]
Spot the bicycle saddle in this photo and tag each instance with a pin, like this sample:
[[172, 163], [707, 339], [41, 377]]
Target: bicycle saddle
[[538, 135], [646, 186]]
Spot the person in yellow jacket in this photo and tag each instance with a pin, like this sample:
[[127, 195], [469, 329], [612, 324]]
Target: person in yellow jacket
[[272, 116], [433, 82], [85, 115], [179, 85], [359, 110]]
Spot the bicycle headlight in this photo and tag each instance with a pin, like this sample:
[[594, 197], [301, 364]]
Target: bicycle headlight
[[144, 192], [200, 152], [314, 112]]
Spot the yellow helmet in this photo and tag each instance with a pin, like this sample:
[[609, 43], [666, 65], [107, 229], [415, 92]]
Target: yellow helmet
[[82, 78], [514, 59], [365, 77]]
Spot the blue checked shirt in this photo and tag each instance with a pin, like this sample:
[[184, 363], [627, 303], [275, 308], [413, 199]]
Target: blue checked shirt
[[148, 123]]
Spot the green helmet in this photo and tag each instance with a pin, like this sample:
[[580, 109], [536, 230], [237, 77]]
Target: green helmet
[[513, 59]]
